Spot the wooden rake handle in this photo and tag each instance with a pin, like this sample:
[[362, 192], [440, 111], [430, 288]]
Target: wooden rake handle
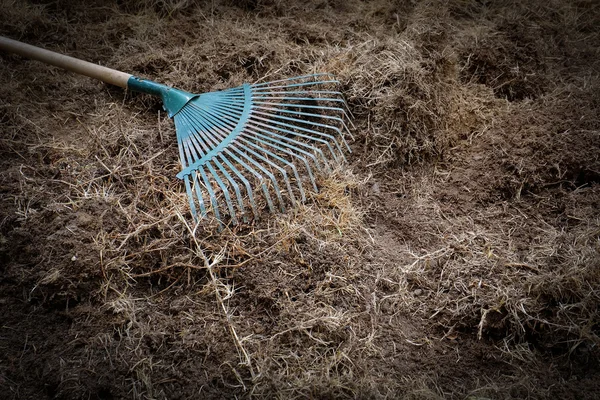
[[81, 67]]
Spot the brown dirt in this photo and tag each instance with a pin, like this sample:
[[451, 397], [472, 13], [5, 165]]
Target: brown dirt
[[456, 256]]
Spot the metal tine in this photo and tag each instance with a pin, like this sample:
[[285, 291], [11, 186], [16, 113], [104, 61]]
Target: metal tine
[[225, 192], [302, 105], [190, 196], [209, 132], [267, 140], [325, 116], [346, 112], [206, 126], [186, 150], [260, 94], [196, 118], [189, 114], [298, 143], [196, 187], [192, 153], [236, 188], [256, 120], [297, 92], [230, 178], [256, 175], [307, 123], [211, 194], [291, 89], [181, 129], [233, 121], [223, 135], [195, 144], [246, 185], [274, 137], [306, 106], [332, 99], [314, 148], [289, 163], [293, 166], [202, 148], [301, 135], [282, 170], [331, 80], [261, 167], [286, 162]]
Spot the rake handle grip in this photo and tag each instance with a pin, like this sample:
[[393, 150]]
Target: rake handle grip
[[81, 67]]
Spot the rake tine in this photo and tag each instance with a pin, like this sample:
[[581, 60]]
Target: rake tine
[[271, 95], [264, 170], [246, 185], [340, 120], [298, 98], [273, 137], [214, 130], [285, 94], [337, 109], [263, 139], [185, 148], [233, 182], [225, 191], [221, 184], [190, 151], [332, 138], [295, 85], [236, 188], [190, 197], [287, 163], [232, 119], [258, 176], [198, 189], [306, 122], [211, 194], [207, 125], [184, 129], [269, 174], [194, 145], [302, 136], [283, 172], [216, 134]]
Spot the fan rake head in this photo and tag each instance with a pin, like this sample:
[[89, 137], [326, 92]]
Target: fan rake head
[[234, 141]]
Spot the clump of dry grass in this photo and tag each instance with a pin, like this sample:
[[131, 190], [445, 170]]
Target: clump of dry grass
[[330, 218], [403, 100], [405, 90]]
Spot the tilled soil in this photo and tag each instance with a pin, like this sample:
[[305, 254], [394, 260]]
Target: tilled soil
[[456, 255]]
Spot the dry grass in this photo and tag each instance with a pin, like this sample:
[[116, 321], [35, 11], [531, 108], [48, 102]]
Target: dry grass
[[456, 256]]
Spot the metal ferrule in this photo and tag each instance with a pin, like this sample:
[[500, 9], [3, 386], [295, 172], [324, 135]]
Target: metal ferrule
[[173, 99]]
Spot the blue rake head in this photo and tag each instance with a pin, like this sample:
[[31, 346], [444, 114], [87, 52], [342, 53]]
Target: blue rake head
[[234, 141]]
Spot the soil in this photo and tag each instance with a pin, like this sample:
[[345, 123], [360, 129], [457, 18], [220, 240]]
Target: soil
[[456, 255]]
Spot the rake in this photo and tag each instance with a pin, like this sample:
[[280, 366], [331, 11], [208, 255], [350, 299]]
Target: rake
[[235, 142]]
